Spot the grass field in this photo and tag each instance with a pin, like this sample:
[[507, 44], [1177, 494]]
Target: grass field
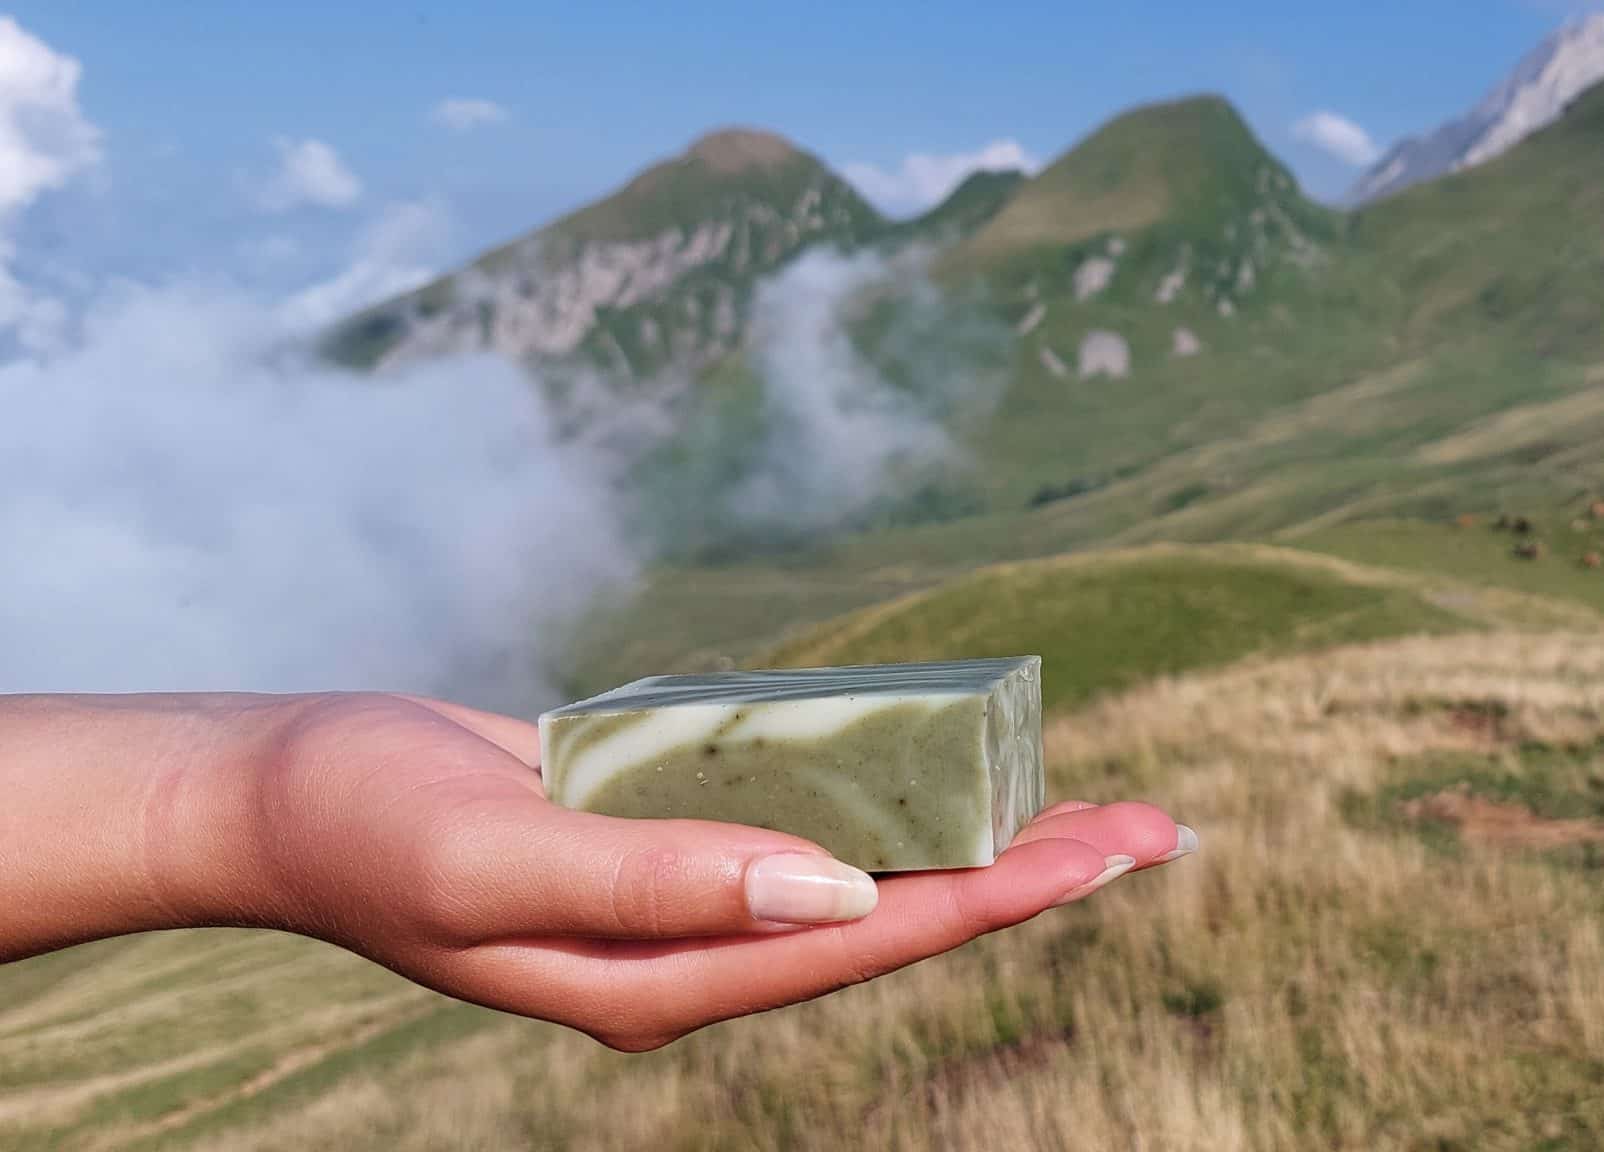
[[1477, 554], [1327, 972], [1391, 940], [1103, 622]]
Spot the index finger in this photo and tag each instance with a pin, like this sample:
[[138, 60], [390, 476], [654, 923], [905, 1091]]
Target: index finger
[[652, 992]]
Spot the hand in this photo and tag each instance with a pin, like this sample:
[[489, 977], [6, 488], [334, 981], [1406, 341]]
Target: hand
[[416, 833]]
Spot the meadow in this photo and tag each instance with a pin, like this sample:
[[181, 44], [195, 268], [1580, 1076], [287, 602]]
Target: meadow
[[1391, 939]]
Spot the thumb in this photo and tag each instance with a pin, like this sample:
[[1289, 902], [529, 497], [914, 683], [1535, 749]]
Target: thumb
[[568, 873]]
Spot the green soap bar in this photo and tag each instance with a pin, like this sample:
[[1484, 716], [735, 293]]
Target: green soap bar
[[891, 767]]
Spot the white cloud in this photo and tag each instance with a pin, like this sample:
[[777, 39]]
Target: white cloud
[[309, 172], [45, 141], [190, 505], [44, 138], [464, 115], [1339, 137], [394, 254], [923, 178]]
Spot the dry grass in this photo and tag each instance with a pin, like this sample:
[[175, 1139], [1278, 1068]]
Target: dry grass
[[1570, 419], [1311, 979]]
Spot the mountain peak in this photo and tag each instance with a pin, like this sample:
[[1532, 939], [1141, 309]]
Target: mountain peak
[[739, 149], [1531, 97], [1142, 166]]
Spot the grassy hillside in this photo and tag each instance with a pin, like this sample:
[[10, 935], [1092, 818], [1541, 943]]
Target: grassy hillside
[[967, 208], [1352, 386], [1278, 366], [1105, 622], [1478, 553], [711, 617], [1187, 164], [697, 229], [1510, 244], [1287, 986]]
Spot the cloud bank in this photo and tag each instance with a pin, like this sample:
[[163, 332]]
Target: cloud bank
[[193, 501], [191, 505]]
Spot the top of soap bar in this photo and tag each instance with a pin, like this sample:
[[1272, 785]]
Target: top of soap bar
[[953, 677]]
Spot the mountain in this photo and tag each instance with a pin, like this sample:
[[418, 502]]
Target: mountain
[[1158, 336], [1186, 162], [1431, 355], [656, 270], [1166, 201], [658, 273], [967, 207], [1532, 96]]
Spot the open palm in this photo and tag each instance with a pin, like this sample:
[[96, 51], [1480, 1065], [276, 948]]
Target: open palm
[[417, 833]]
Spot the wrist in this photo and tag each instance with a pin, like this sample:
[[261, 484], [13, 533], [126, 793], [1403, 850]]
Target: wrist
[[132, 813], [206, 847]]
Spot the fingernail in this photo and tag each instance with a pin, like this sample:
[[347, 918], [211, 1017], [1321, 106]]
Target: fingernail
[[1185, 845], [800, 888], [1117, 866]]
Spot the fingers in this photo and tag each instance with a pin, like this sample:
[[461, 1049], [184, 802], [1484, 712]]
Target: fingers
[[537, 870], [1138, 830], [639, 994]]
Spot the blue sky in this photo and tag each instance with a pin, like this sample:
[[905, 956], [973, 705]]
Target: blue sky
[[290, 140]]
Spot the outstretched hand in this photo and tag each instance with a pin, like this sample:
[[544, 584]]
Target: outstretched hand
[[417, 833]]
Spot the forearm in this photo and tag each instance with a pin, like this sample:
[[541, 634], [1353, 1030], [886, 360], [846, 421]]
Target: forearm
[[128, 813]]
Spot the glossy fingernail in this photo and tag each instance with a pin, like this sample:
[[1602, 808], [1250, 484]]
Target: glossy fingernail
[[801, 888], [1185, 845], [1117, 866]]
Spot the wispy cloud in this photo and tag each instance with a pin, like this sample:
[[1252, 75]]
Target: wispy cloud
[[1338, 136], [462, 114], [309, 172], [394, 254], [921, 179]]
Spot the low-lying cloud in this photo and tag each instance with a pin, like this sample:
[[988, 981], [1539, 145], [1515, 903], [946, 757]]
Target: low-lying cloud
[[836, 429], [189, 504], [394, 254], [858, 371], [191, 500]]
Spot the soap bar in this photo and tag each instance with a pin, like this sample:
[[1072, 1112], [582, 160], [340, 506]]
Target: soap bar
[[890, 767]]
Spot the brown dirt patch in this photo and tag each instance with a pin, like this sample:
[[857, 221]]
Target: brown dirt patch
[[1490, 822]]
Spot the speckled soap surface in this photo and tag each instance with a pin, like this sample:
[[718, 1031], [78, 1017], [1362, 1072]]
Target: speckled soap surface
[[891, 767]]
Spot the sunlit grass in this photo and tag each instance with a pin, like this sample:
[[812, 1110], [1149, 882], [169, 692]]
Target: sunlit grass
[[1314, 977]]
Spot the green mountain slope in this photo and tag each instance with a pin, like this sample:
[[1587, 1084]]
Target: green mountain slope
[[1426, 357], [658, 273], [1191, 165], [967, 208], [660, 269], [1514, 245], [1107, 621], [1189, 350]]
